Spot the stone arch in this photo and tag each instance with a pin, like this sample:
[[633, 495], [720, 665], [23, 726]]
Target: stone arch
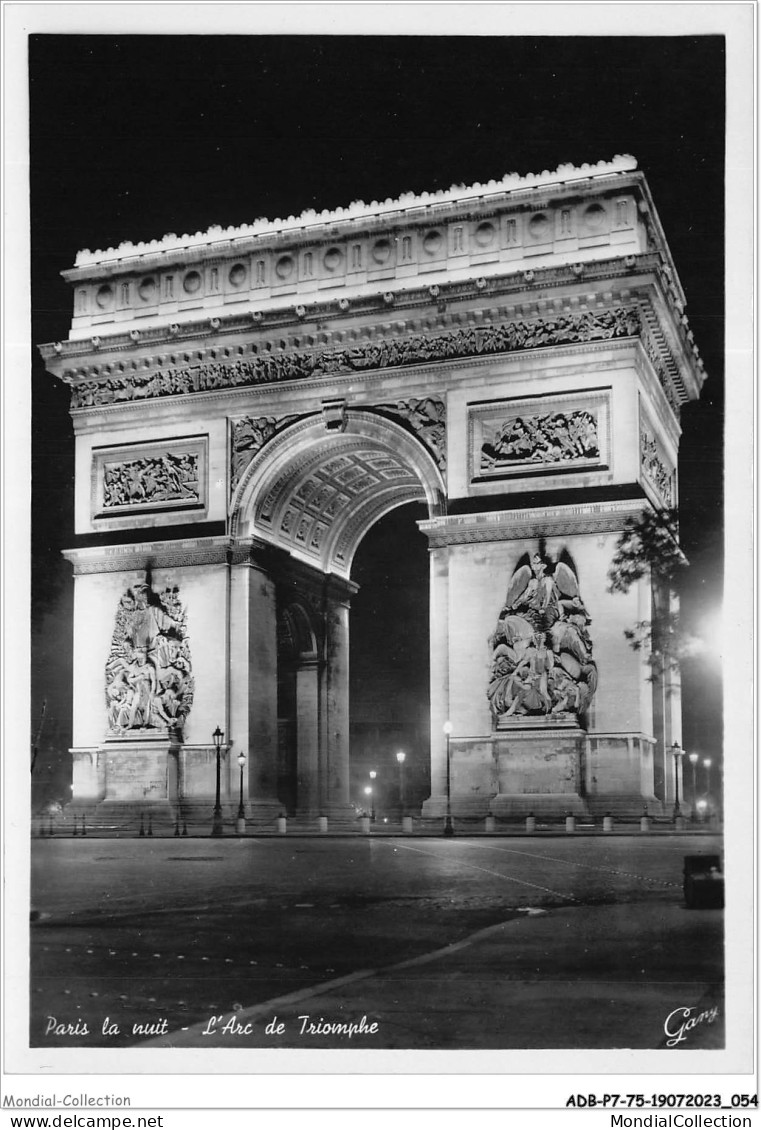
[[317, 487]]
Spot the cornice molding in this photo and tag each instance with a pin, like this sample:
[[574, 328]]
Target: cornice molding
[[217, 326], [170, 555], [511, 525]]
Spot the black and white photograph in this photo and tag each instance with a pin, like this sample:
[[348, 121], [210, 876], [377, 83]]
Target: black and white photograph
[[381, 576]]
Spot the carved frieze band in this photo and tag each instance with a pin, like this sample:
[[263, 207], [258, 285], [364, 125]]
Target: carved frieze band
[[539, 435], [654, 465], [166, 475], [563, 329]]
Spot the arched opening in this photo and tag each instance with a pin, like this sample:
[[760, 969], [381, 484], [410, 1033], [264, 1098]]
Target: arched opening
[[305, 504], [389, 688]]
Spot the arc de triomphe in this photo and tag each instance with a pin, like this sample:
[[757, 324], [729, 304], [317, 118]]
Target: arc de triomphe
[[248, 402]]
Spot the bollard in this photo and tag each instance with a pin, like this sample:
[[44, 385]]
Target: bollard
[[322, 824], [607, 822], [240, 826], [150, 823], [645, 823], [680, 824], [142, 826], [570, 823], [75, 830], [280, 824], [407, 825], [530, 822], [364, 825], [184, 828], [177, 826], [490, 824], [84, 826]]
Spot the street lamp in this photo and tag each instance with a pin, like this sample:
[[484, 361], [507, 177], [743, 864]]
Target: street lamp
[[216, 828], [677, 753], [448, 827], [694, 763], [241, 810], [400, 757], [373, 775], [707, 763]]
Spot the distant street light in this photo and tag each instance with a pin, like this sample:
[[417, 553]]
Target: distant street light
[[707, 763], [216, 828], [448, 826], [693, 763], [678, 754], [241, 810], [401, 757], [373, 775], [369, 792]]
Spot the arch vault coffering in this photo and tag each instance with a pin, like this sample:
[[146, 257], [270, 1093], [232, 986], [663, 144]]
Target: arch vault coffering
[[315, 491]]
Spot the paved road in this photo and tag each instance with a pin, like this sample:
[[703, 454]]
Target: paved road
[[165, 933]]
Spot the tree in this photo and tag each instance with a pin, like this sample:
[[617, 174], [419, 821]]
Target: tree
[[649, 546]]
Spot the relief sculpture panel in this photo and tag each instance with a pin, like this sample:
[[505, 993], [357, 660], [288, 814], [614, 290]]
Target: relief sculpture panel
[[653, 463], [542, 662], [163, 478], [539, 435], [138, 479], [557, 437], [149, 681]]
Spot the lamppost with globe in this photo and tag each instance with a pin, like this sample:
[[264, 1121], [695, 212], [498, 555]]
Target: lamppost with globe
[[401, 757], [373, 775], [678, 754], [707, 764], [216, 827], [448, 826], [694, 764], [241, 826]]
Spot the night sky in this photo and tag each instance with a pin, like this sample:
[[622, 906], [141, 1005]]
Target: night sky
[[133, 137]]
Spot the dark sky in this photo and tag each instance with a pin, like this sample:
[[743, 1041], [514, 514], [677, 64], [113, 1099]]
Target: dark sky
[[133, 137]]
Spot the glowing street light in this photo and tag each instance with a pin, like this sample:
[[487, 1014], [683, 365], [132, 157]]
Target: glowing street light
[[694, 764], [373, 775], [241, 810], [401, 757], [707, 763]]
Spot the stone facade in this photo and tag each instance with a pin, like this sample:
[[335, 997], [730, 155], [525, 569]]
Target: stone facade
[[513, 355]]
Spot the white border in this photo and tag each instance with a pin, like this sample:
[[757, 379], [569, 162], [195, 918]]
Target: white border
[[505, 1087]]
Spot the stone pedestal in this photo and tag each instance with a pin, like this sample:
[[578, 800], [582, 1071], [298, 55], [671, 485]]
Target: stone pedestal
[[139, 776], [539, 767]]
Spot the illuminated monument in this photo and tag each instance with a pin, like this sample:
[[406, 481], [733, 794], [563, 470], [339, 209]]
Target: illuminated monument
[[248, 402]]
